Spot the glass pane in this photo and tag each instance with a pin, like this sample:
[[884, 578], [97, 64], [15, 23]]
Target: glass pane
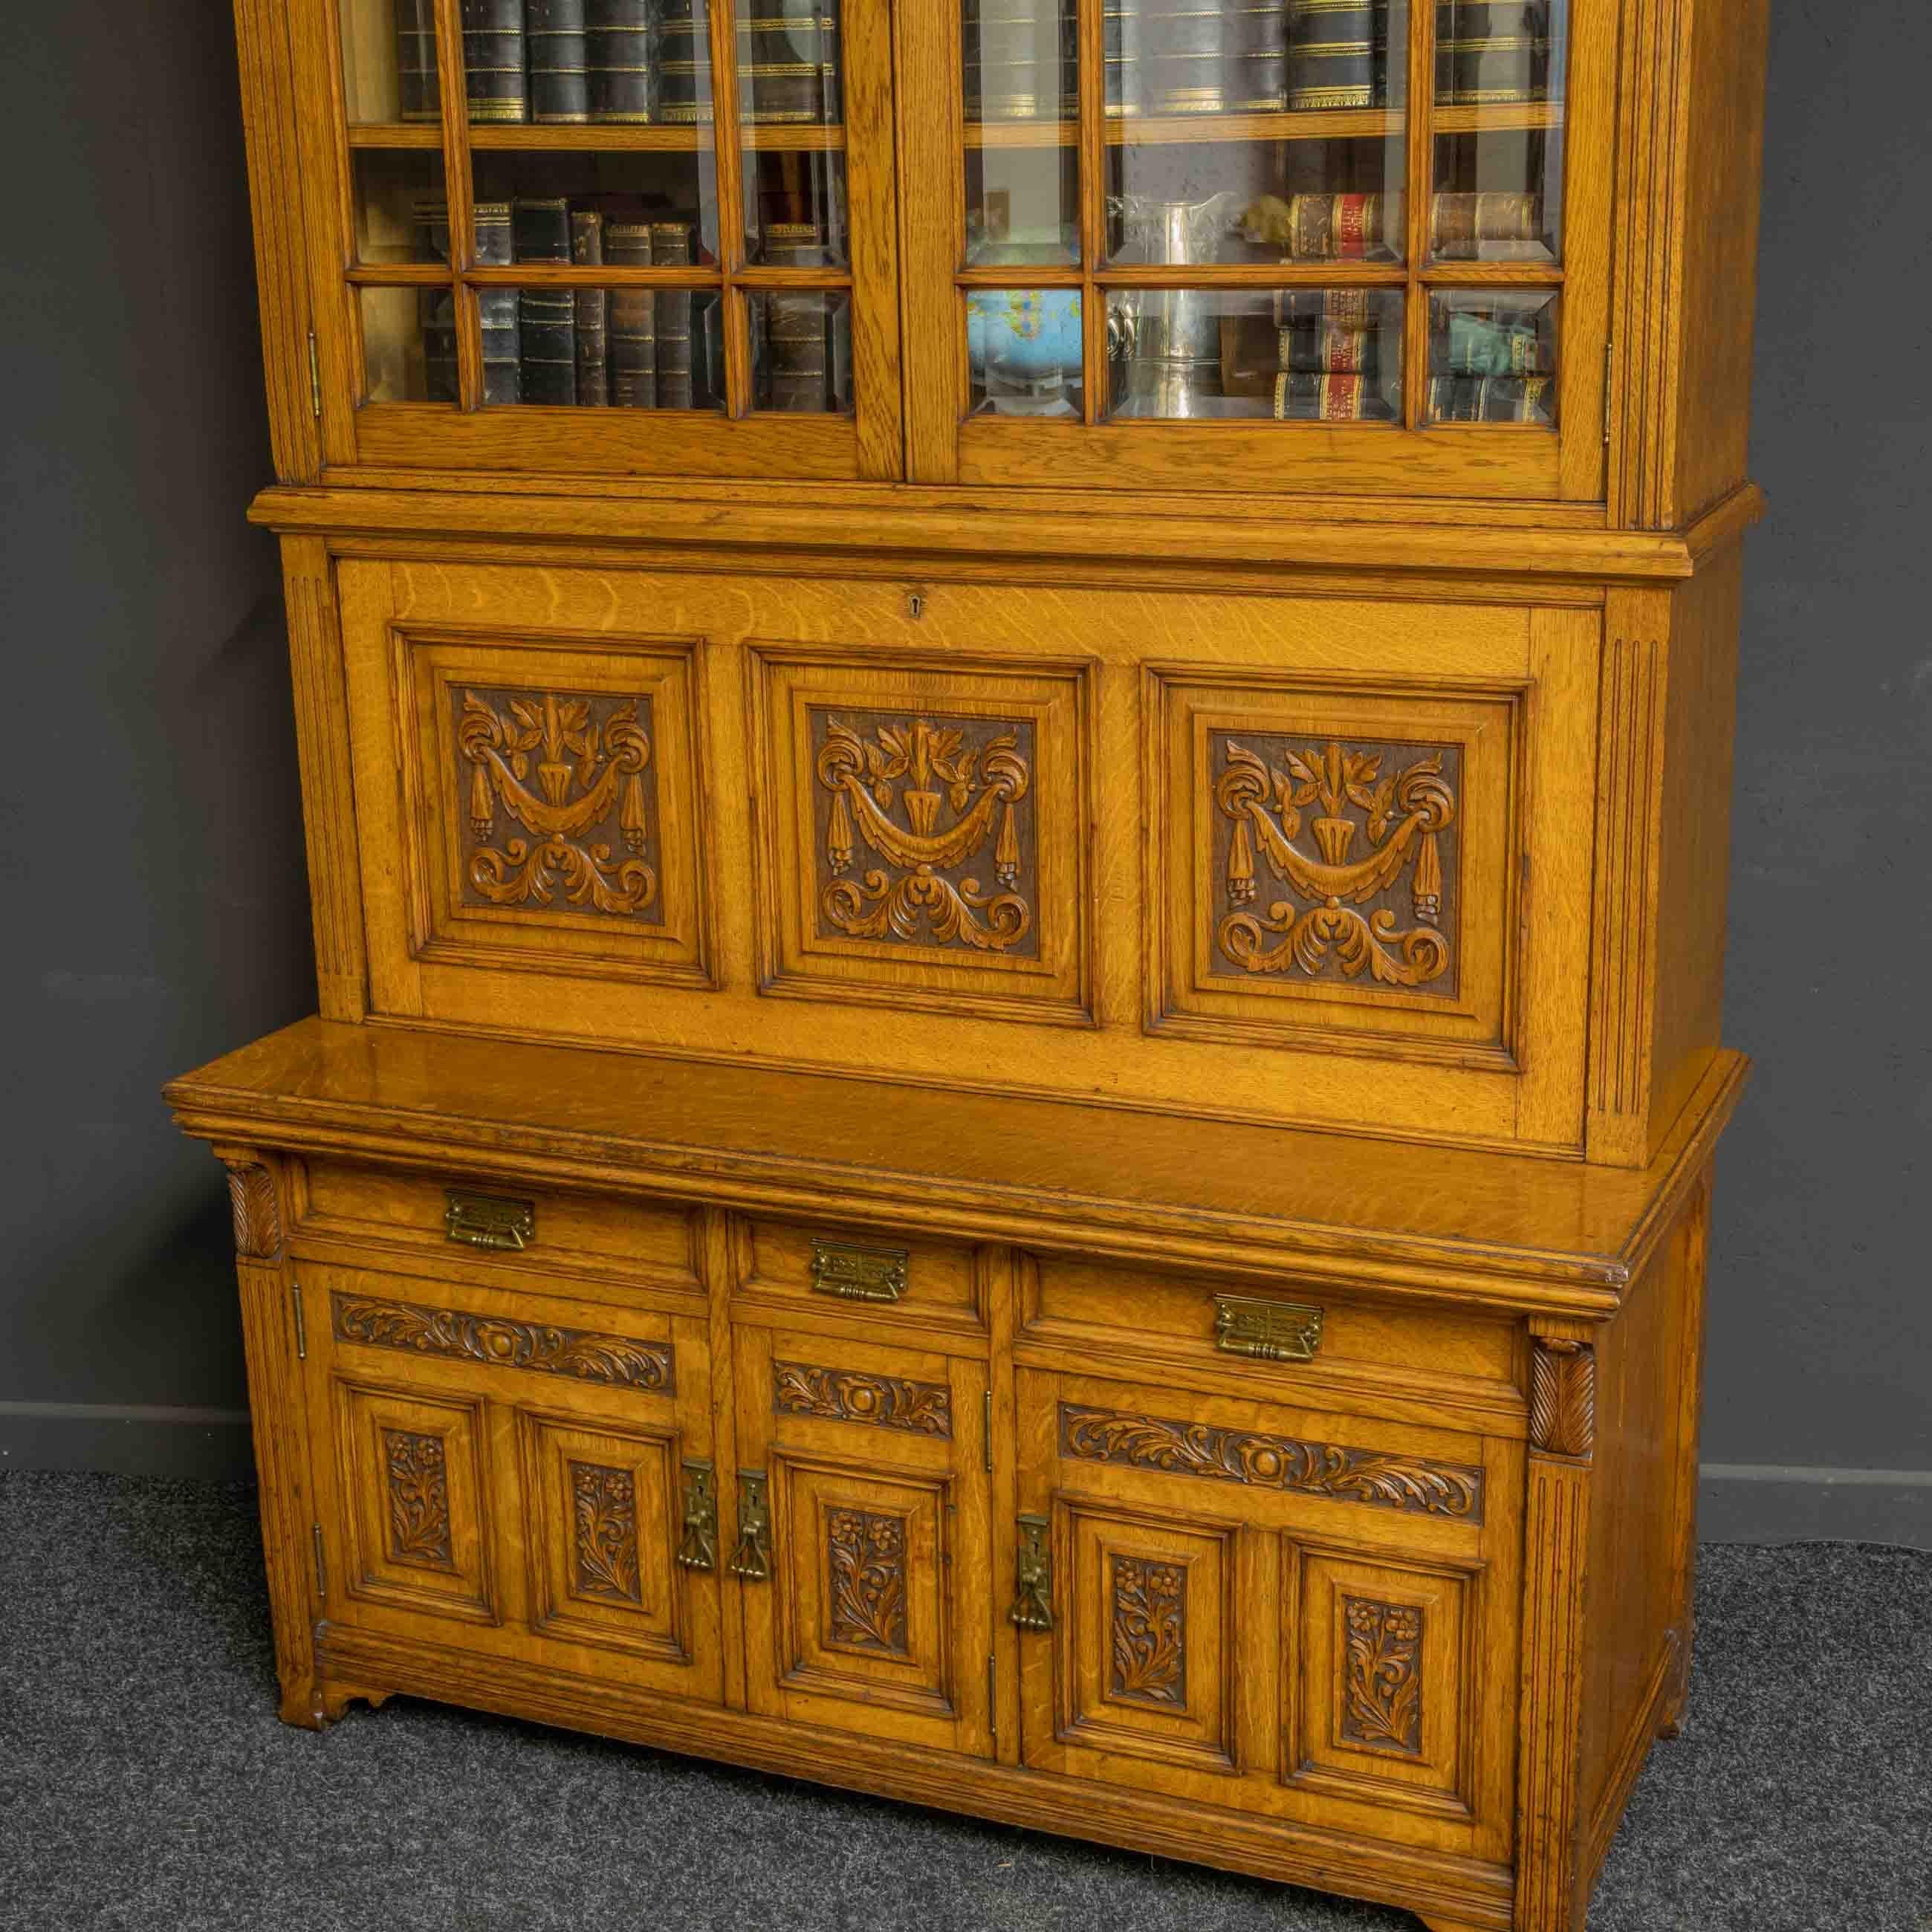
[[1492, 356], [1290, 355], [795, 207], [409, 345], [1023, 349], [388, 60], [802, 352], [622, 348], [400, 206], [1020, 61], [660, 188], [788, 63], [1022, 205]]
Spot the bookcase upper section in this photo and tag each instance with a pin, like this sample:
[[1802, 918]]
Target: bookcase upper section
[[1399, 249]]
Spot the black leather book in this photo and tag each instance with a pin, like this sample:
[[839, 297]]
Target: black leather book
[[554, 36], [592, 312], [1491, 399], [417, 98], [619, 53], [496, 307], [493, 60], [631, 346], [546, 317], [797, 361], [671, 247], [1338, 54]]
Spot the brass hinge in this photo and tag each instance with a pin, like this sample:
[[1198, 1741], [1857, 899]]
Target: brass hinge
[[1610, 386], [302, 1326], [988, 1439], [993, 1698], [314, 379], [321, 1571]]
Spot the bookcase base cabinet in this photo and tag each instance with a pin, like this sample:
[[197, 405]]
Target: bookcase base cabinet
[[1363, 1577]]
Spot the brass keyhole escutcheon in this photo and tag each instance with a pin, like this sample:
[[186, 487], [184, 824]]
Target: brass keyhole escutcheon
[[915, 604]]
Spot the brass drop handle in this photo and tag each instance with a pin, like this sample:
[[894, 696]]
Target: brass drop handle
[[697, 1549], [752, 1559], [1033, 1576], [494, 1221], [1267, 1331]]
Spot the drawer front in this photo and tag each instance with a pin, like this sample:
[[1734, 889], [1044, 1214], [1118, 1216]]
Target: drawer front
[[499, 1225], [902, 1281], [1276, 858]]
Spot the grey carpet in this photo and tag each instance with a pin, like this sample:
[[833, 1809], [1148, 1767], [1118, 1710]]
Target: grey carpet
[[145, 1783]]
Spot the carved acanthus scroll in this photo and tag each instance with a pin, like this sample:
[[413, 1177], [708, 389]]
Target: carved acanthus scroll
[[258, 1219]]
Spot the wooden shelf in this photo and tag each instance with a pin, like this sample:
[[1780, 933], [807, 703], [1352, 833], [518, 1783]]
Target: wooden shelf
[[551, 137], [1342, 125]]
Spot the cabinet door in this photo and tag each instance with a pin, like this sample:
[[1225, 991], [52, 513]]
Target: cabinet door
[[867, 1604], [1307, 1615], [515, 1474]]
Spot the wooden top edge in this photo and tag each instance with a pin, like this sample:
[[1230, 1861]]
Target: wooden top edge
[[918, 523], [1509, 1231]]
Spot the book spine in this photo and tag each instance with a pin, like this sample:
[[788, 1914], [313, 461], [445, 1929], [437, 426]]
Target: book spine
[[1491, 399], [1341, 227], [593, 313], [1257, 54], [797, 353], [546, 317], [1491, 51], [1322, 398], [671, 247], [1338, 54], [1328, 331], [497, 308], [418, 97], [553, 32], [618, 43], [1491, 226], [493, 60], [631, 345]]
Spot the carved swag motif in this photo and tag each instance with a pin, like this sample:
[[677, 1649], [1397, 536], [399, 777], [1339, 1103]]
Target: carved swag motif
[[1381, 1704], [865, 1555], [1400, 815], [418, 1500], [926, 797], [605, 1502], [1149, 1649], [586, 793]]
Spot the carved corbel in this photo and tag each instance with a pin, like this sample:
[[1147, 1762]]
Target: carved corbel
[[258, 1214], [1563, 1397]]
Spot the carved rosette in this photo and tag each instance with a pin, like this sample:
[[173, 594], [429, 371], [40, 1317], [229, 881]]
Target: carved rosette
[[1376, 894], [1563, 1398], [558, 800], [846, 1395], [865, 1562], [1404, 1483], [915, 809], [604, 1505], [1382, 1700], [258, 1218], [419, 1499], [614, 1360], [1149, 1637]]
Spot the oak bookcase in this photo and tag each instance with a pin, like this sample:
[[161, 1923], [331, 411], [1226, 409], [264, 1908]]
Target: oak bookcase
[[1015, 734]]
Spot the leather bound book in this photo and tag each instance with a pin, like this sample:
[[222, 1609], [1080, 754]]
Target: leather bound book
[[671, 247], [1314, 398], [1492, 399], [1333, 227], [1257, 56], [1491, 51], [592, 312], [619, 54], [546, 317], [631, 346], [797, 361], [1328, 331], [498, 309], [1505, 225], [493, 60], [553, 33], [1338, 54], [418, 97], [787, 62], [683, 45]]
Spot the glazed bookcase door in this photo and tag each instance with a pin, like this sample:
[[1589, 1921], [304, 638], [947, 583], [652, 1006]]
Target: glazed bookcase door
[[662, 246], [519, 1485], [1354, 244], [1272, 1609], [867, 1604]]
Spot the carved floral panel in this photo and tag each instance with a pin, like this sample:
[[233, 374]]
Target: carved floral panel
[[419, 1499], [557, 801], [1334, 859], [1149, 1635], [605, 1546], [1382, 1693], [924, 830], [865, 1566]]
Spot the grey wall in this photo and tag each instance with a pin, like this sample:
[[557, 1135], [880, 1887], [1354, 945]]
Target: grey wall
[[154, 907]]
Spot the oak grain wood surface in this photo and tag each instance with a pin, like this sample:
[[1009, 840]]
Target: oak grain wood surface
[[1016, 1112]]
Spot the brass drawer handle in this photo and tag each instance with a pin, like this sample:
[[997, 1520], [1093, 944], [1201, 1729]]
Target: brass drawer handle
[[858, 1274], [1266, 1331], [752, 1559], [698, 1548], [494, 1221], [1033, 1577]]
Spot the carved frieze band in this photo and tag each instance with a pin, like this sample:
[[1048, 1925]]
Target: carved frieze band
[[419, 1499], [571, 773], [604, 1503], [908, 810], [1377, 895], [613, 1359], [847, 1395], [1405, 1483], [1563, 1398], [258, 1219], [1382, 1700], [865, 1562], [1149, 1632]]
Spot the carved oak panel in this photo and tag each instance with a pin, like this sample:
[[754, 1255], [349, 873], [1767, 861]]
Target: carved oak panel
[[1149, 1651], [865, 1559], [850, 1395], [1381, 1688], [419, 1499], [604, 1552]]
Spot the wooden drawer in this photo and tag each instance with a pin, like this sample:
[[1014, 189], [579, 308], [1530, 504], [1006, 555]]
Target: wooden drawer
[[1305, 1343], [502, 1226], [882, 1276]]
